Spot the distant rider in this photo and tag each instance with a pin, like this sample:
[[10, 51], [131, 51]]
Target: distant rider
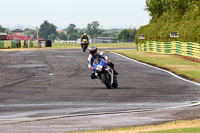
[[84, 37], [93, 54]]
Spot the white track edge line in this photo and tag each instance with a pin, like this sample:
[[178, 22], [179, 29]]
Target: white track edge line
[[22, 120], [198, 84]]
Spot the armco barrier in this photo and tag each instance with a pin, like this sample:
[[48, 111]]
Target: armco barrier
[[180, 48]]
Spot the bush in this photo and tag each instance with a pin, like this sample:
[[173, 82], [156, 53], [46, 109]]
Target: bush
[[168, 16], [189, 31]]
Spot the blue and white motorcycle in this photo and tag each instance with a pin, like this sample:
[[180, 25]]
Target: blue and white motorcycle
[[105, 73]]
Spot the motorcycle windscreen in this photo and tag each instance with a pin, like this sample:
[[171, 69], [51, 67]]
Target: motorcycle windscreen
[[84, 41], [98, 62]]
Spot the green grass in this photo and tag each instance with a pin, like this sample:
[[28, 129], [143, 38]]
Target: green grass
[[192, 126], [131, 130], [182, 130], [100, 45], [173, 63]]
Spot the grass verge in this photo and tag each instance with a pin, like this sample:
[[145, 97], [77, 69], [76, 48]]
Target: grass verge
[[176, 64], [77, 46], [171, 127], [99, 45]]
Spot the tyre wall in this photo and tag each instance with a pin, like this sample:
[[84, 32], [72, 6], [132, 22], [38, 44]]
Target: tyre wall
[[176, 47], [18, 44]]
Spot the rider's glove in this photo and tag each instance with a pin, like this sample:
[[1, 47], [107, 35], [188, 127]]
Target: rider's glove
[[107, 61], [91, 68]]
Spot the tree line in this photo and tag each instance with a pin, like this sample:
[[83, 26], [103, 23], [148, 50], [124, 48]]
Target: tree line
[[48, 31], [182, 16], [173, 10]]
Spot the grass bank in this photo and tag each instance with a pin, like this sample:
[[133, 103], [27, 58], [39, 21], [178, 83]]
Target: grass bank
[[171, 127], [176, 64], [99, 45]]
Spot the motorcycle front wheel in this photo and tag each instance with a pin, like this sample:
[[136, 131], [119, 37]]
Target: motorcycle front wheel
[[84, 48], [106, 80]]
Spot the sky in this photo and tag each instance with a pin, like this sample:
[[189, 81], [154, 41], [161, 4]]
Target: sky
[[109, 13]]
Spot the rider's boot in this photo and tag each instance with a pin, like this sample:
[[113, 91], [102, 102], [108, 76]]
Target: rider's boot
[[115, 72], [93, 76]]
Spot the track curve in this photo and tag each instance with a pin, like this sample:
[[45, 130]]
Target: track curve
[[47, 83]]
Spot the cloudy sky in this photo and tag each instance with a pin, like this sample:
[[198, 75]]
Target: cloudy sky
[[110, 13]]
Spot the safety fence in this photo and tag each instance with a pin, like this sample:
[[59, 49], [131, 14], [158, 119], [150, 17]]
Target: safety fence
[[18, 44], [180, 48]]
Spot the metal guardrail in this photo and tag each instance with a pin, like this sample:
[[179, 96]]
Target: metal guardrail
[[180, 48]]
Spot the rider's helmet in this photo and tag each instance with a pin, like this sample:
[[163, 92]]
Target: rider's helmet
[[93, 50], [85, 34]]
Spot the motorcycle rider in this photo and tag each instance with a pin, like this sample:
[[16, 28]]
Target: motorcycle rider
[[93, 54], [84, 37]]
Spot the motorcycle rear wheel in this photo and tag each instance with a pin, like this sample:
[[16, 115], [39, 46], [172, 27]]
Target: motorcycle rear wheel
[[115, 85]]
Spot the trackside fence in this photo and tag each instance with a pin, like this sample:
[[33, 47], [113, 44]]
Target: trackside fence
[[180, 48]]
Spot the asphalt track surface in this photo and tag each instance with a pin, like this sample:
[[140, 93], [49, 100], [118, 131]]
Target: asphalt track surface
[[43, 84]]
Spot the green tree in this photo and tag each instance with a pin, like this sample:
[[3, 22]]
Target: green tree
[[127, 35], [111, 32], [182, 16], [81, 32], [2, 29], [71, 29], [171, 10], [73, 36], [62, 36], [52, 36], [29, 31], [48, 30], [93, 29]]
